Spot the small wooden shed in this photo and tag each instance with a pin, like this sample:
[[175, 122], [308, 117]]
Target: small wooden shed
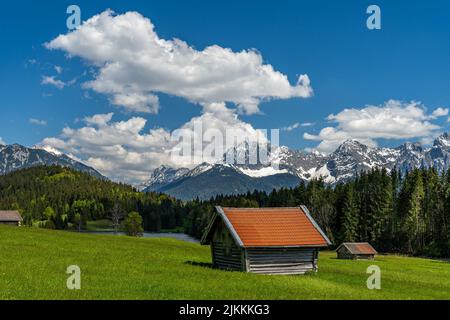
[[360, 250], [266, 240], [11, 218]]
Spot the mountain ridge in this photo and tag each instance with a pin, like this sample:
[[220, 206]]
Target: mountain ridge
[[16, 157], [348, 160], [292, 166]]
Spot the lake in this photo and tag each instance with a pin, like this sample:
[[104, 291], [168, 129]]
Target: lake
[[178, 236]]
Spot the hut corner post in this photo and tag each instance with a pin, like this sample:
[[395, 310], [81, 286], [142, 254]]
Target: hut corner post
[[316, 260], [245, 262]]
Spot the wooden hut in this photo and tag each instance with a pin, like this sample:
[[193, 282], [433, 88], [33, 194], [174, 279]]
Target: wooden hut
[[267, 241], [349, 250], [11, 218]]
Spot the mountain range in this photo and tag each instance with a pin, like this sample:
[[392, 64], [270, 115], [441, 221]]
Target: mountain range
[[226, 177], [15, 157], [349, 159]]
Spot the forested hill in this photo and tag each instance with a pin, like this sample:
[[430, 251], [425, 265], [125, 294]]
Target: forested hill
[[396, 213], [57, 197]]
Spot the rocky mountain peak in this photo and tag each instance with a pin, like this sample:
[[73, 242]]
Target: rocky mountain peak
[[350, 146], [409, 146], [443, 141], [15, 157]]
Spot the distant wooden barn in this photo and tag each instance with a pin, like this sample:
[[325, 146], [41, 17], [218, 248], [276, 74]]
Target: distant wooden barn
[[267, 241], [10, 218], [349, 250]]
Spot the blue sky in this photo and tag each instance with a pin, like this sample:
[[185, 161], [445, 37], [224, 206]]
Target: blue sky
[[348, 65]]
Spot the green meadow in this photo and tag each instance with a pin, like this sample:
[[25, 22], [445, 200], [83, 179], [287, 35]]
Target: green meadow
[[33, 265]]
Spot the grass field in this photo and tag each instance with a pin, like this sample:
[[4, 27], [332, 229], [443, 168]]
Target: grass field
[[33, 265], [99, 225]]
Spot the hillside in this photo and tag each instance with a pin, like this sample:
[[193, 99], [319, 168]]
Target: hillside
[[33, 263], [61, 192], [64, 198]]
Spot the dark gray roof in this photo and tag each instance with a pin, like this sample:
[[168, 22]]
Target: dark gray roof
[[10, 216]]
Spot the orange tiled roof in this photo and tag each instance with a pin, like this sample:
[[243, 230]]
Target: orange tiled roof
[[274, 227]]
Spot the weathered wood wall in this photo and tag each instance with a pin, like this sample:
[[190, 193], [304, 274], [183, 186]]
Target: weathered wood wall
[[281, 260], [225, 252], [344, 253], [10, 223]]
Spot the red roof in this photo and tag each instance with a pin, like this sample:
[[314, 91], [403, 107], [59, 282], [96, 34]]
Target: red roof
[[268, 227]]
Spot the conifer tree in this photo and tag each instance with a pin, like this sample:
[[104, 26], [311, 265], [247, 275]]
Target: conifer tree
[[445, 246], [413, 223], [349, 221]]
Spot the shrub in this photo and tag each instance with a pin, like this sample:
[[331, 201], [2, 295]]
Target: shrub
[[133, 225]]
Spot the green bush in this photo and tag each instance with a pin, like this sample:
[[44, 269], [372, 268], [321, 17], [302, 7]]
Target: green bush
[[133, 225], [49, 224]]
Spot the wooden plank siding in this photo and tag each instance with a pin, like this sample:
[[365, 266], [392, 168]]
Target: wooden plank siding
[[282, 260], [343, 253], [225, 252], [224, 260], [10, 223]]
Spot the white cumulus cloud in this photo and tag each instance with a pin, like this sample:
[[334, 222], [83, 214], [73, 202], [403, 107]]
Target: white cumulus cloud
[[393, 120], [297, 125], [58, 69], [439, 112], [291, 127], [99, 119], [51, 80], [37, 122], [134, 64], [124, 151]]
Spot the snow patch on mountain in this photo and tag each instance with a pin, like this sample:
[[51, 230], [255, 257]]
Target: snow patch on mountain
[[323, 173], [200, 169], [49, 149], [263, 172]]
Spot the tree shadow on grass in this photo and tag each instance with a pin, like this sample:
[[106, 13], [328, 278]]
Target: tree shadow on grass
[[440, 260], [201, 264]]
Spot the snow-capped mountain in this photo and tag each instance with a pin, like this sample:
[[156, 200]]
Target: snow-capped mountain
[[239, 173], [163, 176], [223, 179], [353, 157], [15, 157], [438, 156]]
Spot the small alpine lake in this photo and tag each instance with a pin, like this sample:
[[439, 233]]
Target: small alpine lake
[[172, 235]]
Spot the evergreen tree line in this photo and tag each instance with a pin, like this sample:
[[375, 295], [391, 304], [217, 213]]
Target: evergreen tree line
[[406, 214]]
